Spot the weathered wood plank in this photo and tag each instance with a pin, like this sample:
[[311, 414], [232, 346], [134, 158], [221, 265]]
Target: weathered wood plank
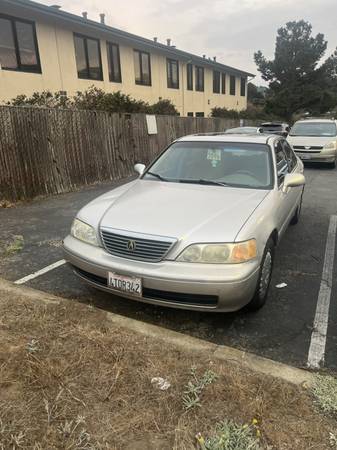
[[50, 151]]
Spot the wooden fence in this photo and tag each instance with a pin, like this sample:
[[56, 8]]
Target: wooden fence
[[50, 151]]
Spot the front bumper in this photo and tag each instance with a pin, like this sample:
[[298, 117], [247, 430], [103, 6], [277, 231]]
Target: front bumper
[[325, 156], [205, 287]]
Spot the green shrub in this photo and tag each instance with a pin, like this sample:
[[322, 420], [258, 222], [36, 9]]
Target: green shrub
[[95, 99], [230, 436], [164, 107], [253, 112]]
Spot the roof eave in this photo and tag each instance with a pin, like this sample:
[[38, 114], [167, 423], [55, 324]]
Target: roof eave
[[69, 17]]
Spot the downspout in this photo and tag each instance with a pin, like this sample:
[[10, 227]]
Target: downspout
[[183, 83], [58, 60]]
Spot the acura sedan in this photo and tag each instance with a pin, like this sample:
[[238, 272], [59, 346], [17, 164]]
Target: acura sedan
[[198, 228]]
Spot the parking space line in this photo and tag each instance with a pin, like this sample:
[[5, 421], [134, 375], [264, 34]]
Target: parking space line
[[319, 333], [40, 272]]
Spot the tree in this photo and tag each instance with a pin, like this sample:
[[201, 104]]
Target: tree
[[296, 80], [254, 95]]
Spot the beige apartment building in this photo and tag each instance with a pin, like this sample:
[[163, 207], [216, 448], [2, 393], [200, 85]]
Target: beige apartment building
[[45, 48]]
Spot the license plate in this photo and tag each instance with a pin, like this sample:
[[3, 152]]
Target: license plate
[[303, 156], [123, 283]]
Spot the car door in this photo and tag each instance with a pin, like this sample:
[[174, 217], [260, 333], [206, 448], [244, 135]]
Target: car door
[[293, 164], [286, 200]]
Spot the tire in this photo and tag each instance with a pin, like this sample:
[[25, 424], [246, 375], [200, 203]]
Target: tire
[[263, 283], [297, 214]]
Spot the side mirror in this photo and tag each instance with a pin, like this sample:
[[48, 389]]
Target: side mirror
[[139, 168], [293, 180]]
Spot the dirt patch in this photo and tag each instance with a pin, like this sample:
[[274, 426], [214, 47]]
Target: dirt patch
[[10, 246], [70, 379]]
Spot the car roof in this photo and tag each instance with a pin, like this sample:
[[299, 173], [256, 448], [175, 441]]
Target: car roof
[[243, 128], [222, 137], [315, 120], [266, 124]]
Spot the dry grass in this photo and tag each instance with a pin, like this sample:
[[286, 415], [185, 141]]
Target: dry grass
[[325, 392], [69, 380]]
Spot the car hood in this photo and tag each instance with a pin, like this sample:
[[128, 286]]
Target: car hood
[[195, 213], [307, 141]]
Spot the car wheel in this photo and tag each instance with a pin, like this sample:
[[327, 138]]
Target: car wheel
[[297, 214], [266, 269]]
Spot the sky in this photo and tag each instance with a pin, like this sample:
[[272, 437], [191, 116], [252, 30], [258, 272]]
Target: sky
[[231, 30]]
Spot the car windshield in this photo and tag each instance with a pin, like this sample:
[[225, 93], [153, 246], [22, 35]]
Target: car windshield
[[225, 164], [314, 129]]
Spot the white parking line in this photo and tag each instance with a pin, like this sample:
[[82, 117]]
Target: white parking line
[[318, 336], [40, 272]]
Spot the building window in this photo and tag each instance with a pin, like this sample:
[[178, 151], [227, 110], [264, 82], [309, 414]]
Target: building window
[[114, 63], [88, 58], [232, 85], [223, 83], [189, 114], [18, 45], [189, 69], [199, 114], [172, 73], [142, 67], [243, 87], [216, 82], [199, 78]]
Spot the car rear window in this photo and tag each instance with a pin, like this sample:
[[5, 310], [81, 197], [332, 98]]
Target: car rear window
[[272, 127], [323, 129]]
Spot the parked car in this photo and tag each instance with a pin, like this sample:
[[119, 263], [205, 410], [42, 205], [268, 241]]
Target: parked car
[[315, 140], [244, 130], [279, 128], [199, 227]]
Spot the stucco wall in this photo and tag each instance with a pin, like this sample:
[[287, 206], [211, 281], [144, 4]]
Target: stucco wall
[[56, 48]]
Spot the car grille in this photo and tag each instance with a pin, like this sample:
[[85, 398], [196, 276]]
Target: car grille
[[136, 246], [210, 301], [308, 149]]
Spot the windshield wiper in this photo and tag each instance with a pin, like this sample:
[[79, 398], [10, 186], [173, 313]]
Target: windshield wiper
[[157, 176], [203, 181], [191, 181]]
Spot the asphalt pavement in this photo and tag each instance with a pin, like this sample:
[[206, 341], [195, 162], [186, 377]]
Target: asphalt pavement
[[282, 330]]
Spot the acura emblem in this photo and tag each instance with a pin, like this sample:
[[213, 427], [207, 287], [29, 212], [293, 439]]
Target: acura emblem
[[131, 245]]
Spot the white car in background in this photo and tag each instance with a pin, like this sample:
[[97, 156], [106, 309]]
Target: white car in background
[[244, 130], [315, 140]]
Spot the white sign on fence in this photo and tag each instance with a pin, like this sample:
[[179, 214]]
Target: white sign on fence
[[151, 122]]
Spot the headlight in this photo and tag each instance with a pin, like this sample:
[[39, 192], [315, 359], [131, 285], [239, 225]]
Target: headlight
[[219, 253], [330, 146], [83, 232]]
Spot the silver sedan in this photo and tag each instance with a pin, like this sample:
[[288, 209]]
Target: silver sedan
[[198, 228]]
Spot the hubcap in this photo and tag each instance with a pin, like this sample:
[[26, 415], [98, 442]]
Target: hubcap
[[265, 275]]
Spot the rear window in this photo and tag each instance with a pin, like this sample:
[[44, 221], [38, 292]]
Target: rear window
[[272, 127], [323, 129]]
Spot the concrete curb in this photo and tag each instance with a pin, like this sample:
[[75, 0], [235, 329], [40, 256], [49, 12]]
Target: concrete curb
[[240, 358]]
